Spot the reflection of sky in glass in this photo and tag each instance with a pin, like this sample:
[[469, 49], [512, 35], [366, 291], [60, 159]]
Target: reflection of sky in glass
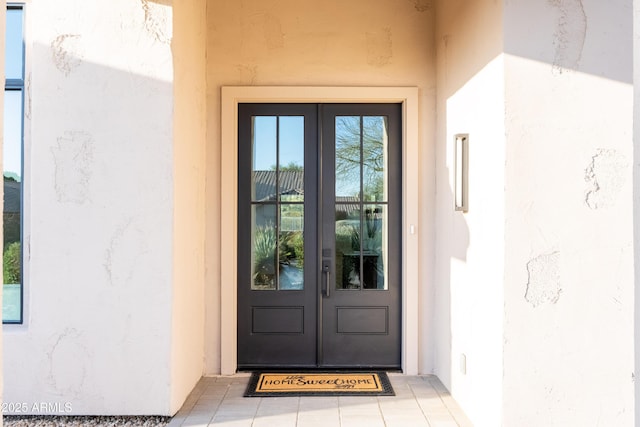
[[264, 143], [291, 142], [13, 112], [11, 149], [14, 45]]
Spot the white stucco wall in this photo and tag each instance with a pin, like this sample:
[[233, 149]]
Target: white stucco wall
[[568, 344], [100, 187], [470, 246], [551, 315], [324, 43]]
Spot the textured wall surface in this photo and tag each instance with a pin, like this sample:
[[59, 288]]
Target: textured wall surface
[[99, 193], [568, 344], [551, 297]]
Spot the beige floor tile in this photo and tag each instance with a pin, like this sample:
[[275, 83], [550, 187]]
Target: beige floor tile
[[419, 401]]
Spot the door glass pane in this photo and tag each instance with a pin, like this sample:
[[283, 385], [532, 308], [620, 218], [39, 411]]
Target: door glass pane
[[374, 247], [291, 247], [348, 246], [348, 136], [361, 246], [291, 157], [264, 157], [264, 246], [278, 221], [374, 158]]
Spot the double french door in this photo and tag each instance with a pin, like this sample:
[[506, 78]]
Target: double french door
[[319, 202]]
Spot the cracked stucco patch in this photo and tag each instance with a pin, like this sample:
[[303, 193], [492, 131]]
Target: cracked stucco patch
[[422, 5], [65, 52], [122, 257], [605, 176], [379, 48], [570, 34], [73, 159], [543, 284], [157, 21], [66, 376]]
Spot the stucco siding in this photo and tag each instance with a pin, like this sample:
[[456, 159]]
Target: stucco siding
[[99, 105], [470, 246], [568, 356], [187, 333], [271, 43]]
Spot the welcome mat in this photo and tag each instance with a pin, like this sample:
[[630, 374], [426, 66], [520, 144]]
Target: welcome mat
[[274, 384]]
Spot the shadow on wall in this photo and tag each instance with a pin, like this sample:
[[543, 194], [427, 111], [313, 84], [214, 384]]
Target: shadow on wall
[[464, 48], [99, 180], [561, 37], [562, 24], [565, 25]]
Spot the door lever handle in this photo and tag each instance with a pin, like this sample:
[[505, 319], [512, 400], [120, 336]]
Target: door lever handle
[[326, 270]]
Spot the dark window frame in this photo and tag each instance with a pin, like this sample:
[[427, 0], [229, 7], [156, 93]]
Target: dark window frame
[[18, 84]]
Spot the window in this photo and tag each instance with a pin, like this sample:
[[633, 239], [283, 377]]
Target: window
[[13, 165]]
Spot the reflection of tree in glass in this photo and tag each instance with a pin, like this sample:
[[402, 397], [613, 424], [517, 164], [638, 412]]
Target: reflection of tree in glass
[[11, 263], [348, 132], [290, 248], [289, 167], [264, 246]]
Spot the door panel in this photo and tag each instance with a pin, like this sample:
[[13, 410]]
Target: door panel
[[319, 235], [277, 253], [361, 223]]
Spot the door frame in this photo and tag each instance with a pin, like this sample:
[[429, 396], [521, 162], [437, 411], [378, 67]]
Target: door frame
[[234, 95]]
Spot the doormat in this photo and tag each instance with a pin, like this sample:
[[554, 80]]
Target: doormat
[[275, 384]]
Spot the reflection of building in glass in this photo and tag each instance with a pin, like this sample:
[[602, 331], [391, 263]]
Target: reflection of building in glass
[[292, 190]]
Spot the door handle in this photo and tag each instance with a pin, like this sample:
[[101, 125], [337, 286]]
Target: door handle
[[326, 270]]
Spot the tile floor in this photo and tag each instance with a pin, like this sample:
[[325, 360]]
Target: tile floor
[[419, 401]]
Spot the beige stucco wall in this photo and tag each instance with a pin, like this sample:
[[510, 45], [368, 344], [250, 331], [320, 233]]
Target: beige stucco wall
[[326, 43], [569, 282], [470, 246], [189, 138]]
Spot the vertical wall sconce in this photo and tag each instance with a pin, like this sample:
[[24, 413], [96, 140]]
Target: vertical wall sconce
[[462, 172]]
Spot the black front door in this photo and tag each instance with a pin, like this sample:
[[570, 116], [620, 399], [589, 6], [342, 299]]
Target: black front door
[[319, 196]]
